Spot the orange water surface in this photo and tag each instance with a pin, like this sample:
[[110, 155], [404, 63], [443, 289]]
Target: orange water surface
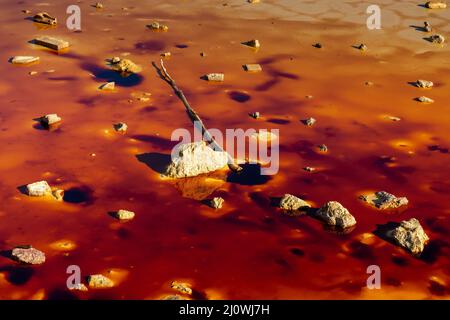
[[249, 249]]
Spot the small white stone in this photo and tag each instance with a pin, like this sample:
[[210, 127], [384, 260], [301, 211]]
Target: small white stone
[[24, 59]]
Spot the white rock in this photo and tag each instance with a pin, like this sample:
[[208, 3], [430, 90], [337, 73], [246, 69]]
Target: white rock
[[39, 189], [424, 84], [194, 159], [124, 214], [120, 127], [217, 77], [216, 202], [334, 214], [437, 38], [436, 5], [109, 86], [385, 200], [424, 99], [24, 59], [50, 119]]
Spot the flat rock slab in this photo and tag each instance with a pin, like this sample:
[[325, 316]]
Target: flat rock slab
[[252, 67], [51, 43], [28, 255], [385, 200], [334, 214], [24, 59], [193, 159]]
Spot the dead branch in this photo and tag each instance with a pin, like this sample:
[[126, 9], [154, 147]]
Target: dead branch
[[195, 118]]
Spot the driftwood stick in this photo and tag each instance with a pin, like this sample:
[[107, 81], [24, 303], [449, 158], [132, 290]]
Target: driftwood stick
[[195, 118]]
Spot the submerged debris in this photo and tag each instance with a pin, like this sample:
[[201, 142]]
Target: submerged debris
[[49, 119], [23, 59], [217, 77], [28, 255], [124, 66], [252, 43], [384, 200], [252, 67], [51, 43], [120, 127], [410, 235], [216, 202], [181, 287], [292, 203], [124, 214], [44, 17], [334, 214], [424, 99], [195, 158], [99, 281], [156, 26], [424, 84], [108, 86], [38, 189], [436, 5]]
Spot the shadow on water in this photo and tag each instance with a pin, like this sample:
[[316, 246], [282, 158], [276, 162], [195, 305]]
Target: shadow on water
[[112, 76], [17, 275], [239, 96], [80, 194], [156, 161], [249, 176]]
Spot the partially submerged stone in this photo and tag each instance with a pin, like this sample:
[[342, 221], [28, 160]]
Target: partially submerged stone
[[252, 43], [394, 118], [293, 203], [38, 189], [427, 27], [156, 26], [334, 214], [255, 115], [120, 127], [98, 5], [309, 122], [216, 77], [424, 99], [252, 67], [362, 47], [99, 281], [28, 255], [166, 54], [49, 119], [410, 235], [24, 59], [58, 194], [436, 5], [44, 17], [216, 202], [385, 200], [124, 66], [424, 84], [51, 43], [253, 1], [108, 86], [182, 287], [79, 287], [309, 169], [322, 148], [437, 38], [124, 214], [317, 45], [192, 159]]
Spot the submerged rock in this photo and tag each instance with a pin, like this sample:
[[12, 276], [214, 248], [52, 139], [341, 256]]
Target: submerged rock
[[334, 214], [99, 281], [292, 203], [38, 189], [195, 158], [385, 200], [424, 99], [410, 235], [28, 255]]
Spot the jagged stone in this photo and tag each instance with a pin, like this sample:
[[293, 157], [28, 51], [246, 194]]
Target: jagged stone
[[334, 214], [38, 189], [424, 84], [385, 200], [99, 281], [292, 203], [216, 202], [410, 235], [28, 255]]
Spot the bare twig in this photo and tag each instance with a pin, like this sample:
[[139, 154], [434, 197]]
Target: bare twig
[[195, 118]]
